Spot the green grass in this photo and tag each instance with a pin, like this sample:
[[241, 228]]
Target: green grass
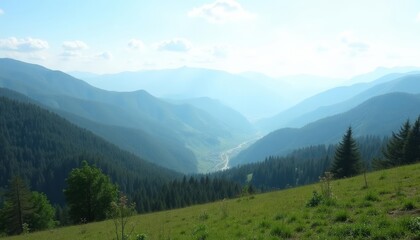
[[387, 209]]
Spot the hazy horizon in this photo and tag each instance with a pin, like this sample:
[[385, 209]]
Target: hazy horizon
[[322, 38]]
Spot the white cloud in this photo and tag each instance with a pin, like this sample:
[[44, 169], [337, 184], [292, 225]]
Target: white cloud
[[418, 17], [23, 44], [174, 45], [136, 44], [221, 11], [105, 56], [1, 12], [75, 45]]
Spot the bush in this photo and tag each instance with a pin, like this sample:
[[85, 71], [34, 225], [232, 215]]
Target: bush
[[315, 200]]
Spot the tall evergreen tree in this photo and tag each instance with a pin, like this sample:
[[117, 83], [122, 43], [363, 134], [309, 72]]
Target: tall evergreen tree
[[412, 145], [394, 152], [347, 157], [18, 207]]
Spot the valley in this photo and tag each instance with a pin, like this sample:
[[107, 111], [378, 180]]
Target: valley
[[224, 157], [167, 153], [209, 120]]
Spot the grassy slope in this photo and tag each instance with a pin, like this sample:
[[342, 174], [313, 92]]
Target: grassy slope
[[376, 212]]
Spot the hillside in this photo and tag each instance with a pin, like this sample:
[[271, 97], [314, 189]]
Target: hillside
[[165, 123], [387, 209], [409, 83], [311, 109], [149, 147], [43, 147], [377, 116]]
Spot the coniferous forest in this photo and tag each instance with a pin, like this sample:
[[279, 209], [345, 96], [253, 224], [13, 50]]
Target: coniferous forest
[[42, 148]]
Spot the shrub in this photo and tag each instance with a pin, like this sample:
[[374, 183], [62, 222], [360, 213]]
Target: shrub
[[141, 236], [315, 200]]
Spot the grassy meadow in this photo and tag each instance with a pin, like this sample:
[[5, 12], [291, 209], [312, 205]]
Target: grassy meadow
[[389, 208]]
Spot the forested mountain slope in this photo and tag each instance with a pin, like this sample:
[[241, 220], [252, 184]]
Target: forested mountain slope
[[333, 101], [165, 123], [377, 116], [43, 147]]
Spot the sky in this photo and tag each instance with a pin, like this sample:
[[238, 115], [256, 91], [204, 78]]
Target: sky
[[336, 39]]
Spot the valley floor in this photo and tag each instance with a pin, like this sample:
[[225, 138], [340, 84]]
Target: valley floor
[[389, 208]]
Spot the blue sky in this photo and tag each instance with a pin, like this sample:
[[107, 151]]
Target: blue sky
[[337, 38]]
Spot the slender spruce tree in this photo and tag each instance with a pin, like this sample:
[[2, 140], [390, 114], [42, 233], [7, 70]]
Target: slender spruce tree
[[347, 157], [412, 144], [394, 151], [18, 207]]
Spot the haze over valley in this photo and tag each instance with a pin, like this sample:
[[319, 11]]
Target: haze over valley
[[160, 105]]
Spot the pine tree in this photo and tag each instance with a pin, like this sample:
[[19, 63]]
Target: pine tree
[[412, 144], [347, 157], [394, 152], [18, 207]]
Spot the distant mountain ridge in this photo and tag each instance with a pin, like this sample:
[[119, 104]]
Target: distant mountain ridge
[[243, 94], [377, 116], [331, 102], [187, 127]]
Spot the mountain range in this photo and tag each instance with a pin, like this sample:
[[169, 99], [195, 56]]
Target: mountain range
[[378, 116], [338, 100], [196, 133], [176, 135]]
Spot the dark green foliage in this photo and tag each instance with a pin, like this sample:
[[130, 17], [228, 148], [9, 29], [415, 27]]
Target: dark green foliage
[[89, 193], [315, 200], [394, 152], [18, 206], [182, 193], [403, 147], [44, 213], [300, 167], [347, 157], [23, 210], [44, 147], [412, 145]]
